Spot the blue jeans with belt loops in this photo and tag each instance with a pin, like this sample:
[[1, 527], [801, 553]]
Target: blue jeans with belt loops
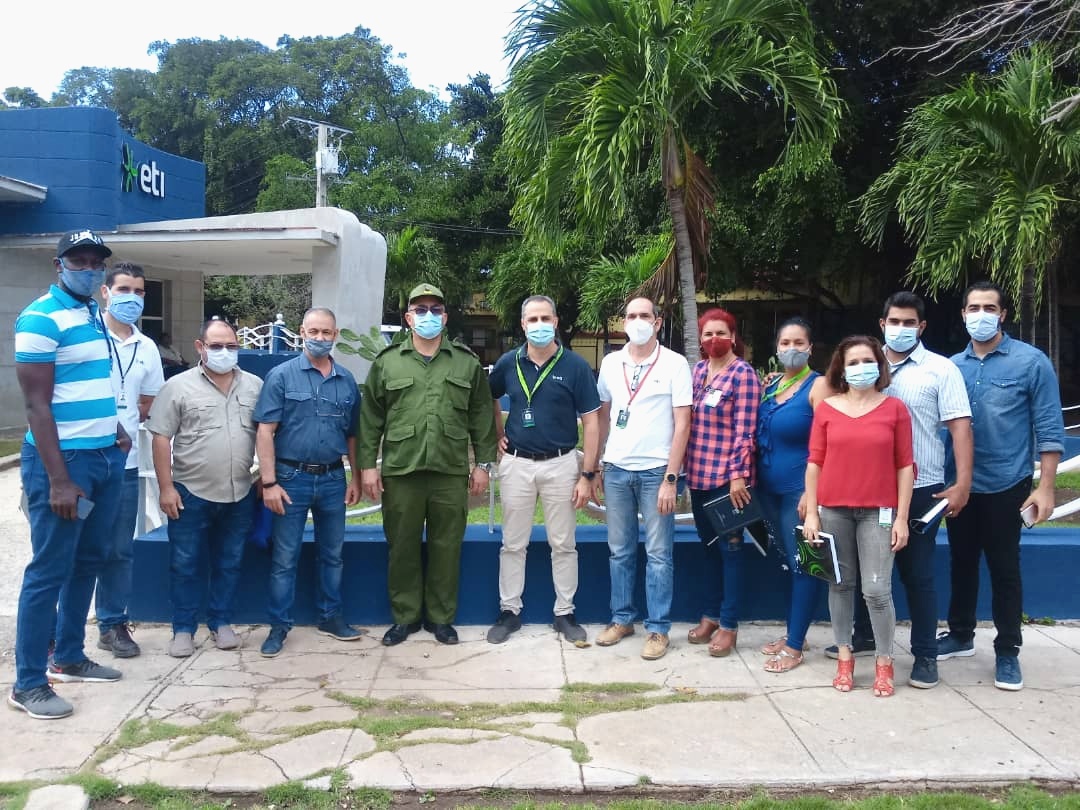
[[67, 556]]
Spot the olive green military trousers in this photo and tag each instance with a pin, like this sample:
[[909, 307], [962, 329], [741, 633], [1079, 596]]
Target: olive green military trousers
[[440, 501]]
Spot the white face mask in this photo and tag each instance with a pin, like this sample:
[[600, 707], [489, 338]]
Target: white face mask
[[639, 331], [221, 361]]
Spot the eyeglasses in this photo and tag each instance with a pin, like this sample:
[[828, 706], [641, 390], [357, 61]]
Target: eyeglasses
[[434, 309], [217, 347]]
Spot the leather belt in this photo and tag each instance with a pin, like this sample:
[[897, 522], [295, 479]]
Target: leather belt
[[538, 456], [312, 469]]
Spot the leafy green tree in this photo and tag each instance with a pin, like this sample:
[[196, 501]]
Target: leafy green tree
[[980, 178], [601, 87], [411, 257], [23, 97]]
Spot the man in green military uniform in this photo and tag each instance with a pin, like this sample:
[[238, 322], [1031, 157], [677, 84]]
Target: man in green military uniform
[[426, 397]]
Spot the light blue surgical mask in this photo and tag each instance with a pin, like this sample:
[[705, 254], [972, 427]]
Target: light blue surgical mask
[[318, 348], [540, 334], [82, 283], [901, 338], [982, 326], [862, 375], [126, 307], [222, 361], [428, 326]]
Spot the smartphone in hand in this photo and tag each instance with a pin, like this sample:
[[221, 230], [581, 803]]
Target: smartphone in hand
[[83, 507], [1028, 514]]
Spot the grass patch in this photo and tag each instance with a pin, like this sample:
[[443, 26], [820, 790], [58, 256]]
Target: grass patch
[[13, 794], [478, 515], [98, 788], [140, 732], [1069, 480], [9, 447]]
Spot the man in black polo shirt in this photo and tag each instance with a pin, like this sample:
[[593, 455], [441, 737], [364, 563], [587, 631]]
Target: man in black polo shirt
[[549, 388]]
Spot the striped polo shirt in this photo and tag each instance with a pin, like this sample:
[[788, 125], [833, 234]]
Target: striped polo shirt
[[933, 389], [60, 329]]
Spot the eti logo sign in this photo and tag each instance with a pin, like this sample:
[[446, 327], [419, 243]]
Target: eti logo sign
[[149, 179]]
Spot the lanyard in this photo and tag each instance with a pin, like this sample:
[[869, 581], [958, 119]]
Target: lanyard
[[119, 365], [540, 379], [638, 385], [782, 388]]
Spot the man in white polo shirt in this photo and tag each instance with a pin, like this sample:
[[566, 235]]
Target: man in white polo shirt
[[645, 397]]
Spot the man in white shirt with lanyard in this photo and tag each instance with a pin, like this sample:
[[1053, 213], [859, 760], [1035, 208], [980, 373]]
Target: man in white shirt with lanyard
[[645, 397], [136, 379]]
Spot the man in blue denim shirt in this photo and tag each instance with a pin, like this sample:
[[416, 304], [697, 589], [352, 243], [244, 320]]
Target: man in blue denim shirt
[[307, 413], [1015, 413]]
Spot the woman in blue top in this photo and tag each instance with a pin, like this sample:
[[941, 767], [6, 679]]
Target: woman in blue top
[[784, 418]]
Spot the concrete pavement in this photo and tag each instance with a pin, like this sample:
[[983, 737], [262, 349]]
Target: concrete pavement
[[536, 713]]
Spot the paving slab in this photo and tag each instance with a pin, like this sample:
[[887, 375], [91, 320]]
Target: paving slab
[[57, 797], [323, 750]]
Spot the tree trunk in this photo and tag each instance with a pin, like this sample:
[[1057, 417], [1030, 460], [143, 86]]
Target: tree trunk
[[687, 288], [1027, 306]]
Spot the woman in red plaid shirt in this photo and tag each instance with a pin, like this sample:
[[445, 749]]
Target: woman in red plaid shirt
[[719, 459]]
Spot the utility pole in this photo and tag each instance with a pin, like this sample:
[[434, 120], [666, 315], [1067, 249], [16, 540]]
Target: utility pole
[[326, 154]]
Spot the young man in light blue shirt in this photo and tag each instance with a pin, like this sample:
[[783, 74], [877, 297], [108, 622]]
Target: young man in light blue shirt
[[1016, 415]]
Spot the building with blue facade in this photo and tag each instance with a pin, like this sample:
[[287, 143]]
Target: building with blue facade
[[63, 168]]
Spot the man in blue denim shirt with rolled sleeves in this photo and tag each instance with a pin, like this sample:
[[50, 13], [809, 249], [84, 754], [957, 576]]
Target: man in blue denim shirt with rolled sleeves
[[1016, 414], [307, 414]]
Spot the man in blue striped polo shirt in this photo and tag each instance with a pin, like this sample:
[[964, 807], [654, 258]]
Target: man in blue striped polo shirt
[[72, 468]]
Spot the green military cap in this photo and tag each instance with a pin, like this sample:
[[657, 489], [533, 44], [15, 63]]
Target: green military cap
[[421, 290]]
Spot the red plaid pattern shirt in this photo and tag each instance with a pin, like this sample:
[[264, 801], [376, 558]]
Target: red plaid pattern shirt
[[722, 436]]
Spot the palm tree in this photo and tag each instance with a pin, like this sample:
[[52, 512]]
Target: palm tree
[[599, 88], [981, 175], [411, 258]]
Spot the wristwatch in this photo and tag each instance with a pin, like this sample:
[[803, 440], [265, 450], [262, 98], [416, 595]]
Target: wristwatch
[[485, 466], [671, 478], [588, 475]]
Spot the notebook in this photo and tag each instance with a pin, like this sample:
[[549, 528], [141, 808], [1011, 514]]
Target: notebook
[[758, 534], [818, 559], [728, 520]]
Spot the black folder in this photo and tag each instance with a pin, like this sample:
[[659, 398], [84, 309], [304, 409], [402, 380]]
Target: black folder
[[727, 520]]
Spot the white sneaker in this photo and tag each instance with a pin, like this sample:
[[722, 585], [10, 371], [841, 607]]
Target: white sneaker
[[225, 638], [182, 645]]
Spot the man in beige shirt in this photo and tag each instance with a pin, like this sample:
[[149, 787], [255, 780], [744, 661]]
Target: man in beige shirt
[[204, 446]]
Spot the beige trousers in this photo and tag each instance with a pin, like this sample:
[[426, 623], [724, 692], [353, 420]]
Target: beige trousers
[[521, 482]]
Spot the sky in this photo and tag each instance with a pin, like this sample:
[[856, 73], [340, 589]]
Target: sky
[[445, 41]]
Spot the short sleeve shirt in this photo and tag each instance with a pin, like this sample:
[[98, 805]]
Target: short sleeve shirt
[[213, 433], [315, 415], [665, 384], [60, 329], [567, 391], [136, 372]]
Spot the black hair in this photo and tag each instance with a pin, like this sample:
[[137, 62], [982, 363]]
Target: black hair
[[904, 300], [986, 285], [123, 269], [802, 323]]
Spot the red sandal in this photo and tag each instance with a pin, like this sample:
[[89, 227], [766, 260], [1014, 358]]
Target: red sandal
[[845, 675], [883, 680]]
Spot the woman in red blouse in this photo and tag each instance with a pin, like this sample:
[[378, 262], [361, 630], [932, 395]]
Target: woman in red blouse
[[719, 458], [860, 473]]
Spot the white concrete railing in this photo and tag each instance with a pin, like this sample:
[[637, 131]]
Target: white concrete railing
[[263, 336]]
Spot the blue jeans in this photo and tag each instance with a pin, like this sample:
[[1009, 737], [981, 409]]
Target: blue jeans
[[324, 496], [114, 580], [67, 556], [217, 531], [626, 493], [723, 561], [781, 511]]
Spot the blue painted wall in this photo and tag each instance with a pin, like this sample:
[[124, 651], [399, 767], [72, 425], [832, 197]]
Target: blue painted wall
[[1050, 559], [76, 152]]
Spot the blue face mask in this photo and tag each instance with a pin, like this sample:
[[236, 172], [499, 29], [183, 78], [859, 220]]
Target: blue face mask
[[126, 307], [901, 338], [862, 375], [427, 326], [318, 348], [982, 326], [540, 334], [82, 283]]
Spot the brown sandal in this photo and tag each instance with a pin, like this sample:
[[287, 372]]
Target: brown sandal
[[783, 661], [723, 642], [703, 632]]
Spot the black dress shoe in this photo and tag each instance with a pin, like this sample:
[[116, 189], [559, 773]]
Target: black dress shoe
[[444, 633], [399, 632]]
